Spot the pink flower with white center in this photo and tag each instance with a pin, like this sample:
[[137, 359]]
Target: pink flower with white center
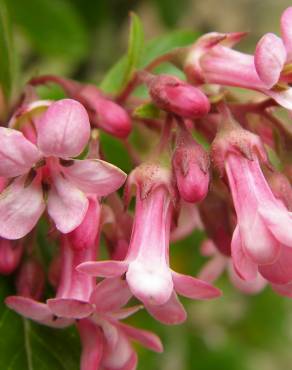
[[268, 71], [146, 265], [263, 232], [62, 133], [105, 340]]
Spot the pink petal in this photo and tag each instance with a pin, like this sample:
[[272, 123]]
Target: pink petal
[[144, 337], [279, 272], [193, 288], [17, 154], [107, 269], [110, 295], [64, 129], [92, 345], [70, 308], [170, 313], [36, 311], [279, 222], [248, 287], [67, 205], [20, 208], [95, 176], [282, 97], [213, 269], [284, 290], [243, 265], [270, 57], [286, 31]]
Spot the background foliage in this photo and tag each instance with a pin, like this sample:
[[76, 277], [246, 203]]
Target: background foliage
[[83, 39]]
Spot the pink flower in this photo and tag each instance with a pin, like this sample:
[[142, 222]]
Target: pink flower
[[146, 265], [47, 170], [268, 71], [263, 232], [105, 340]]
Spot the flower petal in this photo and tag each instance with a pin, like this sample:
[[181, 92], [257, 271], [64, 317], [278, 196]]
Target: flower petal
[[106, 269], [20, 208], [286, 31], [282, 97], [67, 205], [70, 308], [279, 222], [243, 265], [124, 313], [64, 129], [110, 295], [95, 176], [170, 313], [17, 154], [270, 57], [144, 337], [248, 287], [213, 269], [92, 345], [284, 290], [36, 311], [193, 288], [279, 272]]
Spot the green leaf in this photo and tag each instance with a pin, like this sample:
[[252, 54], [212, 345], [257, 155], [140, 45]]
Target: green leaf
[[7, 56], [135, 48], [123, 70], [148, 111], [113, 81], [25, 345], [53, 26]]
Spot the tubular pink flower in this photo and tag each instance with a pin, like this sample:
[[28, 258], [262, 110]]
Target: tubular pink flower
[[214, 62], [62, 132], [263, 222], [147, 263]]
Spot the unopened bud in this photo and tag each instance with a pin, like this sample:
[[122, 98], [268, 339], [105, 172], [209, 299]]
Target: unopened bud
[[30, 280], [176, 96], [10, 255], [191, 164]]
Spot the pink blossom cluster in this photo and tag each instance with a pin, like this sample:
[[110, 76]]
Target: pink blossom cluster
[[237, 187]]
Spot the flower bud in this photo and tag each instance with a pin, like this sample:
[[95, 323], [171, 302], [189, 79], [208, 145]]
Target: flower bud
[[281, 188], [30, 280], [176, 96], [10, 255], [190, 163]]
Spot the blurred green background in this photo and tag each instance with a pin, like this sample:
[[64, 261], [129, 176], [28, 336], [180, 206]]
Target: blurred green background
[[83, 39]]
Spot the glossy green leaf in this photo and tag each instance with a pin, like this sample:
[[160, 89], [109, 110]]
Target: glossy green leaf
[[53, 26], [25, 345], [114, 79], [7, 55]]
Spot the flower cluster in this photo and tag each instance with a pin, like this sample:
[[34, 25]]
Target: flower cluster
[[205, 163]]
